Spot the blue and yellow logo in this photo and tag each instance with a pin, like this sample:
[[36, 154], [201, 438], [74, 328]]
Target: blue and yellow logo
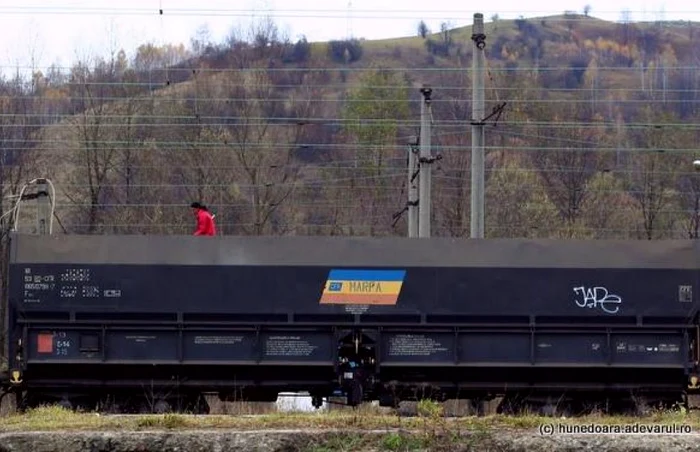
[[369, 287]]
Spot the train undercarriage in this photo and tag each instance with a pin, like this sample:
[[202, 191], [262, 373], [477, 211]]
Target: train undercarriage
[[357, 376]]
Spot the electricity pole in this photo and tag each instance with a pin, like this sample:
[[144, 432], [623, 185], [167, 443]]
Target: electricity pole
[[477, 201], [412, 188], [39, 192], [43, 207], [425, 161]]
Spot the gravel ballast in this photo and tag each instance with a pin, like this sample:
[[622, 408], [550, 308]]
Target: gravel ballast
[[331, 440]]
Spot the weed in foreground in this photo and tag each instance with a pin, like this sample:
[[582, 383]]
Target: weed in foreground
[[338, 442], [430, 422], [166, 421], [399, 442]]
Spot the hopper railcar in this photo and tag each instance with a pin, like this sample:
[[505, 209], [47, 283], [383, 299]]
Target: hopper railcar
[[137, 322]]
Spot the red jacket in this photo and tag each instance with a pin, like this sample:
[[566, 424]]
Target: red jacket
[[205, 223]]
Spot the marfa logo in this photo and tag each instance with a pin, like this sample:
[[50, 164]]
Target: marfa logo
[[363, 287]]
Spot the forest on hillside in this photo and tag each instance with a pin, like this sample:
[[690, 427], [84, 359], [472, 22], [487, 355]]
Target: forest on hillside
[[596, 139]]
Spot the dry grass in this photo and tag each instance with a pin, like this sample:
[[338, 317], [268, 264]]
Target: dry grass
[[430, 418]]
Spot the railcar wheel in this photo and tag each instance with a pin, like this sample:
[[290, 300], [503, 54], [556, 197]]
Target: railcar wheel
[[388, 400], [162, 406], [317, 401], [196, 404], [355, 394], [511, 405], [477, 407]]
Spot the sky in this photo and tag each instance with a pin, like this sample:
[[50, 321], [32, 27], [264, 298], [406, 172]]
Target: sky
[[41, 32]]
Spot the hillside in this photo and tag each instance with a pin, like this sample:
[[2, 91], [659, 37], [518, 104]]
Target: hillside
[[596, 138]]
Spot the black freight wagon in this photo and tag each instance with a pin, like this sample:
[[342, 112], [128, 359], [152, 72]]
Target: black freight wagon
[[133, 319]]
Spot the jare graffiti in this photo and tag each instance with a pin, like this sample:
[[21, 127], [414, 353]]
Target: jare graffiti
[[597, 297]]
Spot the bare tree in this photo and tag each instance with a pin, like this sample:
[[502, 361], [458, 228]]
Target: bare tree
[[652, 179], [20, 113], [193, 163], [261, 41], [373, 112], [452, 186], [130, 191], [95, 156], [689, 202], [688, 186], [651, 184], [201, 42], [261, 137], [423, 30], [451, 178], [566, 161]]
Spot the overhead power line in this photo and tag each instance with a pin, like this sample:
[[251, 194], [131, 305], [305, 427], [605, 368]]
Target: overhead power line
[[170, 146], [367, 14], [350, 69], [601, 100]]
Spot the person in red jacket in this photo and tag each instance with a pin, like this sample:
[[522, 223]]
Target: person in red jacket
[[205, 220]]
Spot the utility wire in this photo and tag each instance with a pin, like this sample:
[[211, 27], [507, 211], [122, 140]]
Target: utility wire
[[212, 112]]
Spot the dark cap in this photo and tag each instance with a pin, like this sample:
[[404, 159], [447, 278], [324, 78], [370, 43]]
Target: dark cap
[[196, 205]]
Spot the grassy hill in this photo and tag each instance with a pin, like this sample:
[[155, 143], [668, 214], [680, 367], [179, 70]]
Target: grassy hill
[[311, 138]]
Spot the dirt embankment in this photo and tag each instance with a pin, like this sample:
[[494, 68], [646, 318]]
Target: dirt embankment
[[304, 441]]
